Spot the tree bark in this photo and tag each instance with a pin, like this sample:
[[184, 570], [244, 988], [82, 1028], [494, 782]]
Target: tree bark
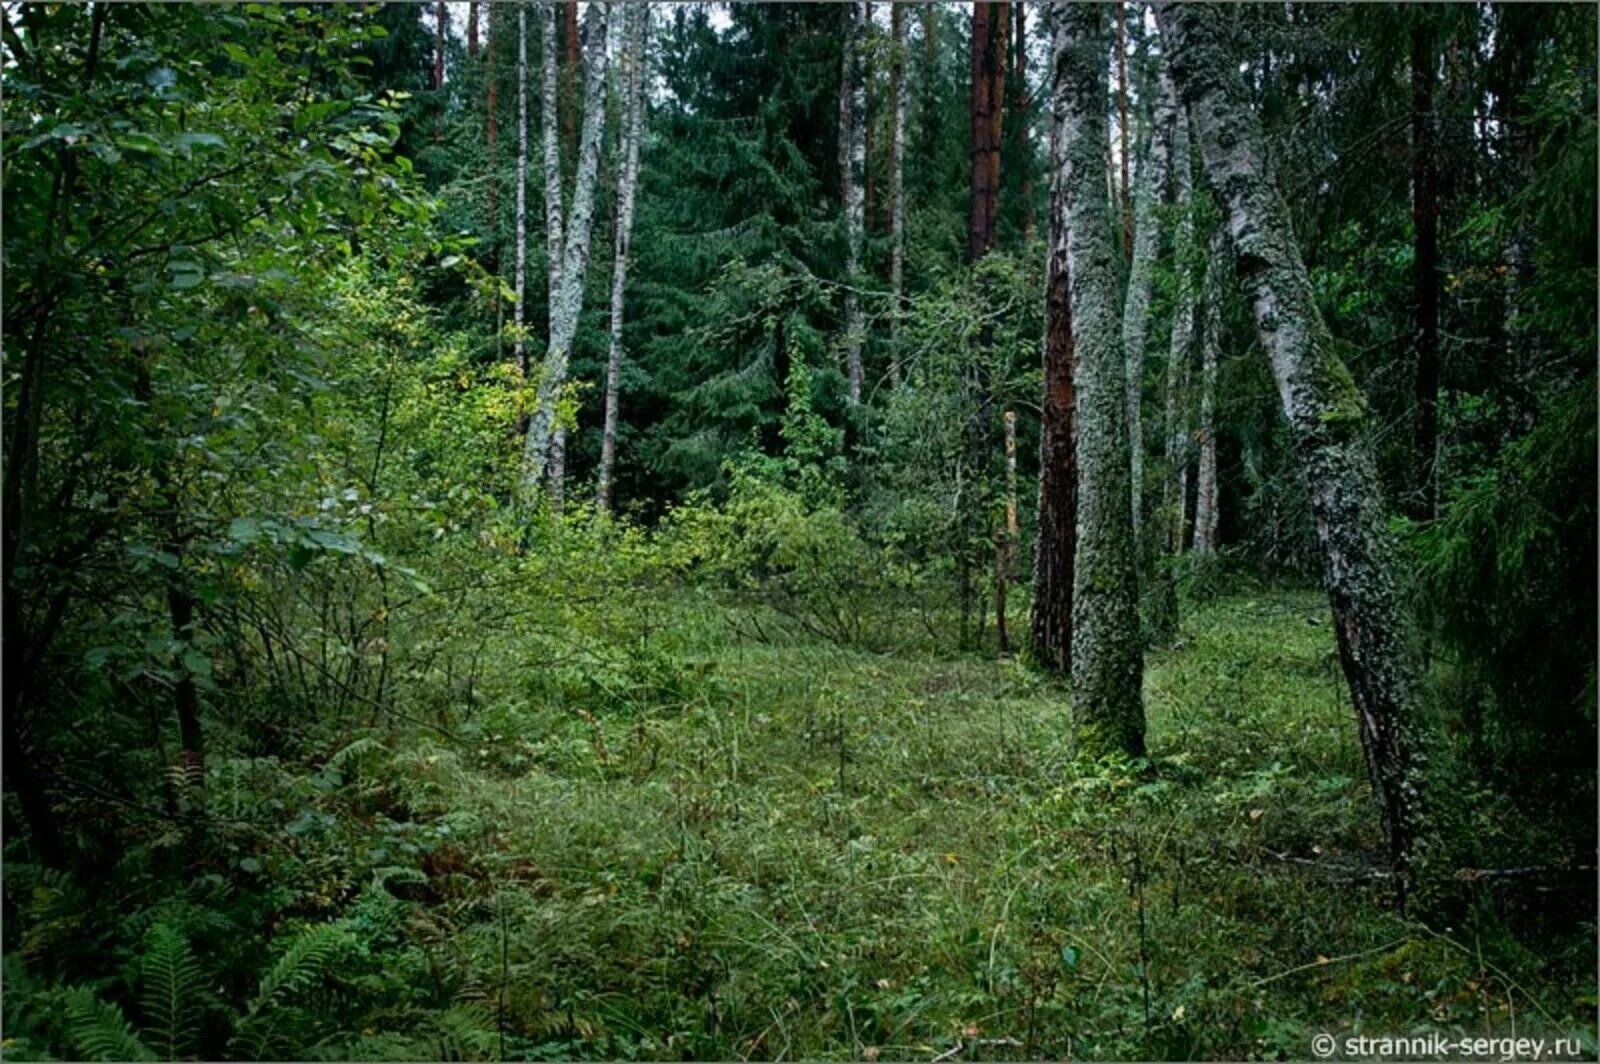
[[442, 19], [1180, 352], [1327, 417], [897, 181], [852, 167], [519, 315], [1107, 651], [1205, 488], [491, 149], [1056, 539], [549, 115], [1425, 229], [569, 83], [636, 20], [568, 295], [988, 96], [1006, 536], [472, 29], [1122, 120], [1153, 175], [1019, 73]]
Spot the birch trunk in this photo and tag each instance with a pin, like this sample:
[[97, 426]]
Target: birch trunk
[[852, 167], [1205, 488], [519, 350], [1055, 541], [1107, 652], [1136, 306], [567, 294], [1180, 352], [897, 180], [549, 118], [636, 21], [1328, 420]]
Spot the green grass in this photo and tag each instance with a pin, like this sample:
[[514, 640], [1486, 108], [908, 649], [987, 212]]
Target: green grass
[[812, 852]]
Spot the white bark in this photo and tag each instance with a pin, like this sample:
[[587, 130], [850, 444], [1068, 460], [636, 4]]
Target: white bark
[[550, 120], [852, 170], [520, 312], [567, 290], [1328, 418], [637, 20], [1205, 502], [1107, 651], [1180, 352]]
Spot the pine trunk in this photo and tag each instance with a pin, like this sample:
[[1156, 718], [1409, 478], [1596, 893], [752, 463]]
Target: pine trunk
[[567, 299], [1056, 538], [1327, 417], [472, 29], [1107, 651], [633, 57]]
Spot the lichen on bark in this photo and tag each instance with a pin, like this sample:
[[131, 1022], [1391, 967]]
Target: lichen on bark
[[1107, 652]]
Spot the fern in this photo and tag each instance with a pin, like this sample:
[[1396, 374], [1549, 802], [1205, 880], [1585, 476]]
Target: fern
[[171, 990], [100, 1031], [306, 961]]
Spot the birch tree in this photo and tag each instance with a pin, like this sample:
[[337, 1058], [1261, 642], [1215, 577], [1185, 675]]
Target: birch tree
[[520, 311], [1153, 174], [1107, 652], [567, 289], [636, 20], [1205, 487], [1327, 417], [1180, 350], [852, 168]]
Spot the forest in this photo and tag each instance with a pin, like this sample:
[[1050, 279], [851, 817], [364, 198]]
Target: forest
[[855, 531]]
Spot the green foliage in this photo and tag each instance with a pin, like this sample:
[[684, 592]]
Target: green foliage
[[171, 994]]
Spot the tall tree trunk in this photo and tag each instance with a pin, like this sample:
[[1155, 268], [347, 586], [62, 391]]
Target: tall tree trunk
[[1019, 73], [519, 317], [1425, 227], [1107, 646], [1180, 352], [1136, 305], [1205, 488], [897, 181], [1056, 539], [472, 29], [869, 192], [852, 166], [1327, 417], [636, 21], [491, 136], [988, 97], [568, 301], [1122, 127], [569, 84], [442, 19], [549, 118]]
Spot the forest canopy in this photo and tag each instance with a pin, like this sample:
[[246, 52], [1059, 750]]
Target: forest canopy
[[626, 530]]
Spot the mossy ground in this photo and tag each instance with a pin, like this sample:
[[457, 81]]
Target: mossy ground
[[780, 851]]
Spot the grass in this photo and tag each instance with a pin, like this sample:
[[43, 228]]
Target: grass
[[791, 851]]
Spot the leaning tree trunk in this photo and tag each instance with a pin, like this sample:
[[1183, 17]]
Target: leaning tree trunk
[[636, 20], [1107, 651], [1205, 487], [897, 181], [1056, 538], [1327, 417], [568, 295], [852, 168]]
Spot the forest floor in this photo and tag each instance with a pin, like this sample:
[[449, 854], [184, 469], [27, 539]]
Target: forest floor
[[804, 851]]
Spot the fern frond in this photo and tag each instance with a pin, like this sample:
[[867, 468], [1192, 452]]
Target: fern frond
[[100, 1031], [305, 961], [353, 751], [171, 993]]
